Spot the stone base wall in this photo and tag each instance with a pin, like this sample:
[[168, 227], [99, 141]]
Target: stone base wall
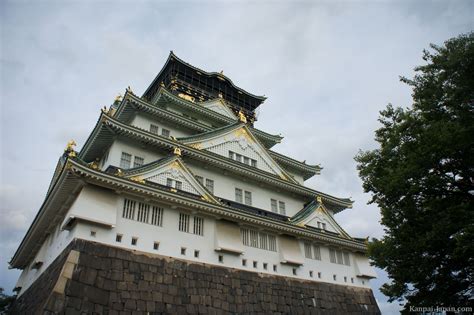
[[90, 277]]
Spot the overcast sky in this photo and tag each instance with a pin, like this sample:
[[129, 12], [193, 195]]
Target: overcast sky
[[327, 68]]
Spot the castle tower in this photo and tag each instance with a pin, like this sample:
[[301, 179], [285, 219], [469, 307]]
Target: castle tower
[[177, 203]]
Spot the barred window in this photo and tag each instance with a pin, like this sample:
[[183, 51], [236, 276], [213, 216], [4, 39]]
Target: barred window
[[248, 198], [169, 182], [184, 222], [200, 179], [138, 161], [253, 162], [246, 160], [282, 207], [125, 160], [347, 261], [332, 255], [257, 239], [339, 257], [128, 209], [316, 252], [238, 195], [231, 155], [263, 241], [244, 233], [308, 250], [238, 157], [154, 129], [210, 185], [157, 216], [274, 205], [198, 228], [178, 185], [272, 244], [253, 238], [143, 212], [165, 132]]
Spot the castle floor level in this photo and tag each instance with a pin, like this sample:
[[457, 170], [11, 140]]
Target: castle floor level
[[91, 277]]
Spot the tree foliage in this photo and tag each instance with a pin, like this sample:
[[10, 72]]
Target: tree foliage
[[421, 177]]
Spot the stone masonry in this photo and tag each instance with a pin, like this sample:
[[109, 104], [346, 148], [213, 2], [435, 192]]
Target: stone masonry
[[91, 278]]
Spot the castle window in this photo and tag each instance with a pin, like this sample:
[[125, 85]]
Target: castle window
[[334, 277], [281, 204], [324, 226], [198, 227], [347, 261], [248, 198], [196, 254], [200, 179], [242, 159], [118, 238], [311, 273], [125, 160], [294, 271], [210, 185], [134, 241], [246, 160], [255, 264], [319, 275], [244, 262], [174, 184], [165, 132], [345, 279], [275, 268], [339, 257], [312, 251], [154, 129], [332, 255], [129, 209], [238, 157], [93, 233], [157, 216], [352, 280], [143, 212], [156, 245], [258, 239], [231, 155], [238, 195], [138, 161], [274, 205], [265, 266], [183, 225], [221, 259], [253, 162], [183, 251]]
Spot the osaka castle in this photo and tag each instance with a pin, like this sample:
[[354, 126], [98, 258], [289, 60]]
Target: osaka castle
[[177, 203]]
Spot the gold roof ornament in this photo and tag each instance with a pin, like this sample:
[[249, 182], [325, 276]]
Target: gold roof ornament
[[118, 98], [177, 151], [119, 172], [187, 97], [129, 89], [70, 146], [138, 179], [242, 117], [319, 199], [72, 154], [94, 165], [220, 95], [162, 84], [104, 110]]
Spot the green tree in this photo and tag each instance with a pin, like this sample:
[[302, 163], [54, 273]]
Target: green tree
[[421, 177]]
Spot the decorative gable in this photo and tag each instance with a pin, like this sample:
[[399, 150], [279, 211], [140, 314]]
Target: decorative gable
[[172, 173], [315, 215], [218, 105], [239, 144]]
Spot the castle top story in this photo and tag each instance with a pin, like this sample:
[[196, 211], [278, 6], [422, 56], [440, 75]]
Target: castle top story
[[200, 86]]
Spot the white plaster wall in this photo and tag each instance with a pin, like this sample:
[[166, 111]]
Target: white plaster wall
[[225, 184], [50, 249], [119, 146], [143, 121], [171, 240]]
